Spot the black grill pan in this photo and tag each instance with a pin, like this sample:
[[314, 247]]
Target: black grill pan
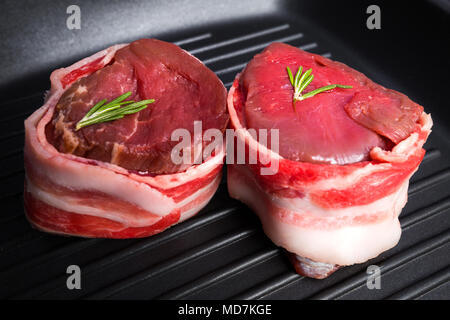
[[222, 252]]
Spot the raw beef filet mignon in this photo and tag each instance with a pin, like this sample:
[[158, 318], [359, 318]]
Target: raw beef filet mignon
[[116, 179], [343, 164]]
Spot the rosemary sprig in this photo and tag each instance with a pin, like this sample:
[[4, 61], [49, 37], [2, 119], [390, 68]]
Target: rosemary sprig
[[113, 110], [301, 81]]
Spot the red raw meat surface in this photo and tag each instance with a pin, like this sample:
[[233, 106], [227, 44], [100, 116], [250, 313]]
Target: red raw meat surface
[[339, 126], [184, 91]]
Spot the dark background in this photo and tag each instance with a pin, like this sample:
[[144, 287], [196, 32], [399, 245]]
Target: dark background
[[412, 45]]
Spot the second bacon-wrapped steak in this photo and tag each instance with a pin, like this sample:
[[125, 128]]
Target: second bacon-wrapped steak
[[339, 176]]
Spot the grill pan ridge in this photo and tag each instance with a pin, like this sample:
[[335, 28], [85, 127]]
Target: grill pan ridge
[[222, 252]]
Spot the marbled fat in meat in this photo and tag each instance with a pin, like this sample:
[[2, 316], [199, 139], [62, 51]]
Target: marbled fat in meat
[[184, 91], [72, 195]]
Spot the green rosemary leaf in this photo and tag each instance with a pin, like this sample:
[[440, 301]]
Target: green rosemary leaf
[[291, 78], [100, 119], [304, 76], [115, 117], [297, 76], [96, 107], [301, 81], [121, 98], [113, 110], [138, 104], [106, 110], [306, 83], [135, 110]]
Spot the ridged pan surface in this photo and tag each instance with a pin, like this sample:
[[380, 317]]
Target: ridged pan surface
[[222, 252]]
